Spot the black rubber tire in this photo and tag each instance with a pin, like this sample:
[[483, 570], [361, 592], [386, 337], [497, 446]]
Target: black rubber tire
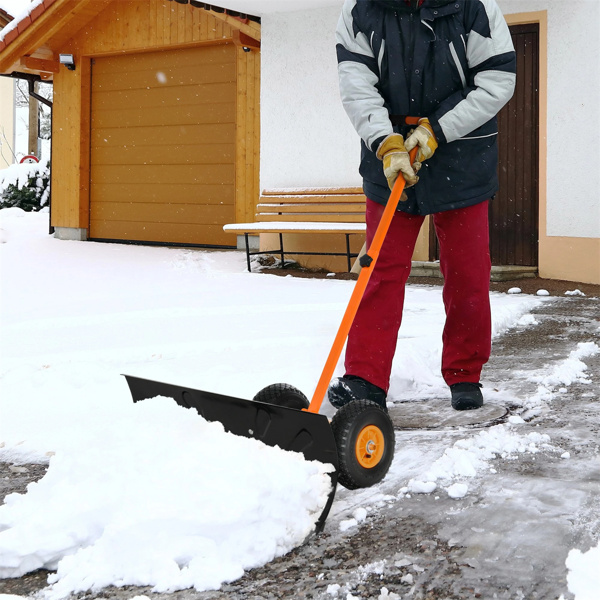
[[282, 394], [347, 424]]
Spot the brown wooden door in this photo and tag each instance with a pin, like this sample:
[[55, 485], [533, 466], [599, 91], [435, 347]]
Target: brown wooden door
[[163, 146], [513, 212]]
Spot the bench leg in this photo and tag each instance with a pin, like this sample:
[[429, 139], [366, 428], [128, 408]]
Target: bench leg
[[348, 252], [247, 252], [281, 249]]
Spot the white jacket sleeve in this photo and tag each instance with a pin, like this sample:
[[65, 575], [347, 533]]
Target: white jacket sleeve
[[491, 75], [358, 71]]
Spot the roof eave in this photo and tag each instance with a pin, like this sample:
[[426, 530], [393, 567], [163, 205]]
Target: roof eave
[[22, 45], [31, 34]]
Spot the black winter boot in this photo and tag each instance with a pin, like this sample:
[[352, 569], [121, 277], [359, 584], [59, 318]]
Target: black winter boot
[[343, 390], [466, 396]]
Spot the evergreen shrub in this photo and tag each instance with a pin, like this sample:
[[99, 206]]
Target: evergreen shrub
[[25, 186]]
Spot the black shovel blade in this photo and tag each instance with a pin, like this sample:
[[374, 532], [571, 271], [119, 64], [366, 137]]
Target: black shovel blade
[[287, 428]]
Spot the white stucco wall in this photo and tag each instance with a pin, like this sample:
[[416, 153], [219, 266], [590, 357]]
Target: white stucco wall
[[573, 182], [7, 121], [307, 140]]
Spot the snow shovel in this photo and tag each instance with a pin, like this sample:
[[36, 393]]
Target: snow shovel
[[359, 441]]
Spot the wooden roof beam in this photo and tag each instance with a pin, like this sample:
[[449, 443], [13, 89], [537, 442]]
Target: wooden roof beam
[[246, 26], [39, 65], [50, 22], [245, 41], [251, 28]]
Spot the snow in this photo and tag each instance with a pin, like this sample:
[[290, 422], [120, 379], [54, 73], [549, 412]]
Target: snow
[[19, 174], [359, 516], [18, 9], [150, 493], [287, 226], [164, 527], [421, 487], [13, 7], [333, 589], [565, 373], [470, 456], [570, 370], [458, 490], [583, 578]]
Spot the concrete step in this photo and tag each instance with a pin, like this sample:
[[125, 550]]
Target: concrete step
[[499, 273]]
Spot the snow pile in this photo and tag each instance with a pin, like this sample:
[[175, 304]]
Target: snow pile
[[469, 456], [571, 370], [508, 314], [583, 578], [160, 497]]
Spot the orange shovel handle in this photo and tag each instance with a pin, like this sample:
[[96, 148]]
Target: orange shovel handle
[[358, 292]]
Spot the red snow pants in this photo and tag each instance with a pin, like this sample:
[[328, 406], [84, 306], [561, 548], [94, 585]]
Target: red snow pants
[[463, 236]]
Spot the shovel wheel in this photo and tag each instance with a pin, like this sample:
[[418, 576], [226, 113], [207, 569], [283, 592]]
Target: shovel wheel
[[282, 394], [364, 436]]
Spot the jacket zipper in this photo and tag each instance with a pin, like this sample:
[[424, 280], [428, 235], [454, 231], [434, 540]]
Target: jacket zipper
[[411, 47], [459, 68]]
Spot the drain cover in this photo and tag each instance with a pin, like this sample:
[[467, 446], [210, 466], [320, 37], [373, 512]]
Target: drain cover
[[434, 414]]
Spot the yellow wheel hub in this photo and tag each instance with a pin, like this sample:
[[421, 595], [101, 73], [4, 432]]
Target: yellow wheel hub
[[370, 445]]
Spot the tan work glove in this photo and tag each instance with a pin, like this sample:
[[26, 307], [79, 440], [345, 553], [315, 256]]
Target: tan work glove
[[424, 138], [396, 160]]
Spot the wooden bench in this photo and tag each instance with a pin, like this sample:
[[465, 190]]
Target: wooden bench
[[336, 211]]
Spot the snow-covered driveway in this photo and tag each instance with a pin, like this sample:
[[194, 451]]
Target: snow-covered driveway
[[136, 494]]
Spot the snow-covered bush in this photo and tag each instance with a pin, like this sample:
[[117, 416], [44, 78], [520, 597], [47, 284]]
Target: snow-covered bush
[[25, 186]]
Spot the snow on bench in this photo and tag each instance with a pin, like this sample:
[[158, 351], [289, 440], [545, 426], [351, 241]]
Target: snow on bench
[[316, 210]]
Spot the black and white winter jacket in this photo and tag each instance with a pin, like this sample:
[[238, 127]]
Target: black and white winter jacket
[[452, 61]]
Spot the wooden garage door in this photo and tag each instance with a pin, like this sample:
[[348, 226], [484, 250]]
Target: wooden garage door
[[163, 146]]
